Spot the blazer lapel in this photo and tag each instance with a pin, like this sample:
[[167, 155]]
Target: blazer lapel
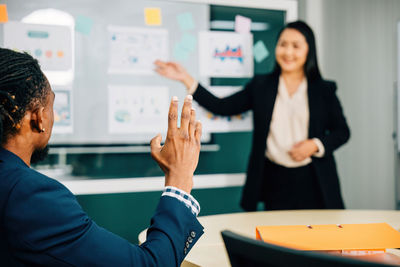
[[267, 91], [270, 96], [312, 92]]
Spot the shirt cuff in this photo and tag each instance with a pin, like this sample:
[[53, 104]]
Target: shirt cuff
[[321, 149], [184, 197], [193, 87]]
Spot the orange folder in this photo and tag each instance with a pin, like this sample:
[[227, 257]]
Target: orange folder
[[344, 237]]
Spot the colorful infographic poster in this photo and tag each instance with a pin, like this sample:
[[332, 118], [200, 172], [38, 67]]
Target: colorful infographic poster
[[226, 54], [137, 109], [213, 123], [50, 44], [63, 122], [133, 50]]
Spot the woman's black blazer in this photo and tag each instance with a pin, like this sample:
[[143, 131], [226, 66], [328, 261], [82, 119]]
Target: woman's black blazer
[[327, 123]]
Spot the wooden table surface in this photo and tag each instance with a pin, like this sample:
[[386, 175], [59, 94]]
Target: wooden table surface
[[210, 249]]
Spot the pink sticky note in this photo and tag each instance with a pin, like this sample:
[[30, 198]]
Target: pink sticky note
[[242, 24]]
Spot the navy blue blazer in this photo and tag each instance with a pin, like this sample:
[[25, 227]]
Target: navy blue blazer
[[43, 224], [327, 123]]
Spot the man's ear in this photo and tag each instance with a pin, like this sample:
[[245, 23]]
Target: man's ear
[[37, 119]]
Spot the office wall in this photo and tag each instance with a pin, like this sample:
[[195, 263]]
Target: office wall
[[357, 47]]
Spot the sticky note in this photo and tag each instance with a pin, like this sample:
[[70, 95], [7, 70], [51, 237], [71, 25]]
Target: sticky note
[[3, 13], [260, 51], [152, 16], [83, 24], [185, 21], [242, 24], [369, 236], [180, 52], [189, 42]]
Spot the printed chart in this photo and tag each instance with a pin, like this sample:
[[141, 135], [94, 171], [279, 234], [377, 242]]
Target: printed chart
[[137, 109], [226, 54], [63, 122], [51, 45], [133, 50], [214, 123]]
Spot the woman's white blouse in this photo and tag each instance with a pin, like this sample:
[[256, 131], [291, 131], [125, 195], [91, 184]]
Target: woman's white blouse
[[289, 126]]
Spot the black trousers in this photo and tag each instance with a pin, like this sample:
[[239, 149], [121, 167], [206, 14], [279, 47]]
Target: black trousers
[[290, 188]]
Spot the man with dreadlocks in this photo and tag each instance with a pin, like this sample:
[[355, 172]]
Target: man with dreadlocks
[[42, 224]]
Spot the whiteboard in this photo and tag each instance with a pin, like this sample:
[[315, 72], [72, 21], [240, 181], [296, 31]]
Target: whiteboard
[[87, 119]]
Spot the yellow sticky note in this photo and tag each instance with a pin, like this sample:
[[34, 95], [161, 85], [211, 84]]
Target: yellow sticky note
[[152, 16], [3, 13]]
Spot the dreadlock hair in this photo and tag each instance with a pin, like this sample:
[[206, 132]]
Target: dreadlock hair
[[23, 86]]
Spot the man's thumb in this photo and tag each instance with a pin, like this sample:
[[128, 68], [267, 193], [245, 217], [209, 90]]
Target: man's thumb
[[155, 143]]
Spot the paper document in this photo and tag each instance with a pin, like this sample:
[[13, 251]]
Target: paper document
[[51, 45], [134, 50], [63, 119], [226, 54], [214, 123], [137, 109]]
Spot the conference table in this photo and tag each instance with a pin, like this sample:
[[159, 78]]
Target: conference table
[[210, 249]]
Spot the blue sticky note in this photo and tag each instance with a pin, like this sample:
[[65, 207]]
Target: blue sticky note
[[189, 42], [185, 21], [83, 24], [180, 52], [260, 51]]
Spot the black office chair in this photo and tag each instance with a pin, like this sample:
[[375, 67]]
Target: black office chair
[[244, 251]]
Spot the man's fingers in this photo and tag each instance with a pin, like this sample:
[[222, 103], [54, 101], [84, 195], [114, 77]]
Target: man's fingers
[[173, 117], [185, 116], [155, 144], [192, 123], [197, 133]]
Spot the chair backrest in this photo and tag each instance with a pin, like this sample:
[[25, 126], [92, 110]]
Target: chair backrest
[[244, 251]]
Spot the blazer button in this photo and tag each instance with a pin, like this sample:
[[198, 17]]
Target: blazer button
[[185, 250], [193, 234], [190, 239], [187, 244]]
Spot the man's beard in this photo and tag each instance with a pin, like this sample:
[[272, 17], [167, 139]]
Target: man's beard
[[39, 154]]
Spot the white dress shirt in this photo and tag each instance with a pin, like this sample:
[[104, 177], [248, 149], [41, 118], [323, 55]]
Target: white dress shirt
[[289, 126]]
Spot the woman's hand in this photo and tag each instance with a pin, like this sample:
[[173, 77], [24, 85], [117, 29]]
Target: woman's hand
[[179, 156], [303, 150], [174, 71]]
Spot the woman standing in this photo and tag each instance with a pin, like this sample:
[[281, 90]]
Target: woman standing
[[298, 123]]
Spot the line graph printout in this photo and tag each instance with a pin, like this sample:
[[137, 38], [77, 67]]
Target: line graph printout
[[226, 54], [137, 109], [133, 50]]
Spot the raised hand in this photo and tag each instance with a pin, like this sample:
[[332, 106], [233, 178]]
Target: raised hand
[[174, 71], [179, 156]]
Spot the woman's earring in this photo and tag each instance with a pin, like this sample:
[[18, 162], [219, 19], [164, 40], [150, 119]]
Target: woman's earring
[[42, 130]]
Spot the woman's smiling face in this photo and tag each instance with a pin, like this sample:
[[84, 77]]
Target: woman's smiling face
[[291, 51]]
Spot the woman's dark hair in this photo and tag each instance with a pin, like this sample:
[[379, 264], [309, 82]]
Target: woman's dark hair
[[23, 86], [311, 69]]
